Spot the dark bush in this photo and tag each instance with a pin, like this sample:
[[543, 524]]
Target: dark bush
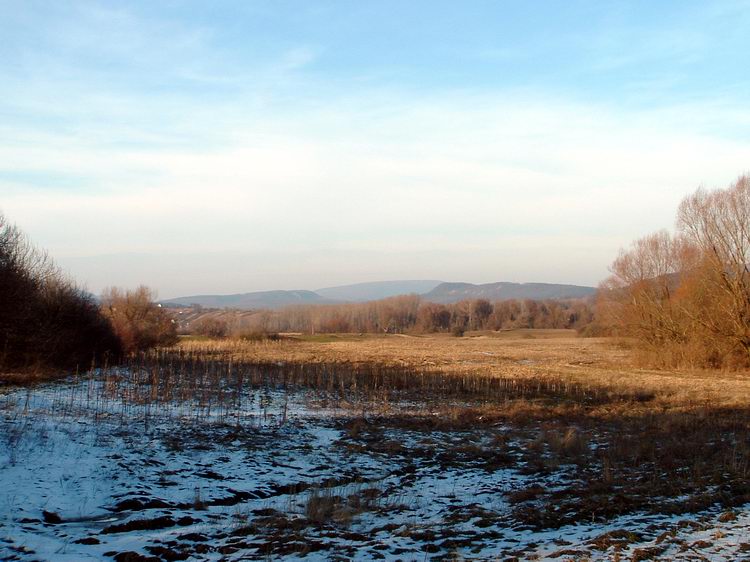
[[45, 320]]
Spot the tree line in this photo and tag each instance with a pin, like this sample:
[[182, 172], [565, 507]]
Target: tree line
[[402, 314], [684, 296]]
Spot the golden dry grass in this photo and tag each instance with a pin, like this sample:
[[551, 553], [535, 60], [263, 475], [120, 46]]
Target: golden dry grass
[[522, 353]]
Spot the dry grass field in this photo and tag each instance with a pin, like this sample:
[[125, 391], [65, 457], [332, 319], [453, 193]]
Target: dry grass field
[[522, 445], [523, 354]]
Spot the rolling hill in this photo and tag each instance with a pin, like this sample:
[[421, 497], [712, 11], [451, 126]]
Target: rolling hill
[[255, 300], [433, 291], [453, 292], [362, 292]]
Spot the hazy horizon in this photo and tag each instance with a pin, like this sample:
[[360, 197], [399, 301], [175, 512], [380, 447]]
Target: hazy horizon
[[131, 270], [253, 146]]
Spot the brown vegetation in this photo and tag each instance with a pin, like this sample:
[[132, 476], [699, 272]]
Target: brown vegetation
[[138, 321], [534, 355], [211, 327], [46, 321], [642, 441], [396, 315], [685, 298]]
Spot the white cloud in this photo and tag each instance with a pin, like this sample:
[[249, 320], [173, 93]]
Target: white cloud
[[467, 177]]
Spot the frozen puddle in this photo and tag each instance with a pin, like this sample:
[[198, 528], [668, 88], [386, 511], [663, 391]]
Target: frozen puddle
[[87, 476]]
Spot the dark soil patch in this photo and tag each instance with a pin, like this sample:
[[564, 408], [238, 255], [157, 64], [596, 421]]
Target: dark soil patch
[[141, 525]]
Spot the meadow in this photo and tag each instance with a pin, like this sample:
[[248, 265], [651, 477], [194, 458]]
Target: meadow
[[522, 444]]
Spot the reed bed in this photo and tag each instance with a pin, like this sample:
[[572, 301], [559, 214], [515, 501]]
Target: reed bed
[[210, 385], [182, 375]]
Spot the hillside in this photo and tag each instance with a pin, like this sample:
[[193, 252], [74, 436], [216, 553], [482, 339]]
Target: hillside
[[454, 292], [362, 292], [255, 300], [429, 290]]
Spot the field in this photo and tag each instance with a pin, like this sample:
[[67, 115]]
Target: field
[[524, 445]]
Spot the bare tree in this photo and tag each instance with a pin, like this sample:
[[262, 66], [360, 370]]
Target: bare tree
[[639, 292], [687, 297], [718, 222]]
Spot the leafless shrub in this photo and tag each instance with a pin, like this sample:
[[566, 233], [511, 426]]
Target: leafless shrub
[[211, 327], [685, 298], [138, 321]]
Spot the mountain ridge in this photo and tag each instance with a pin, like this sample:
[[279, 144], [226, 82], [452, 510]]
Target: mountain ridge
[[252, 300], [446, 293], [441, 292], [375, 290]]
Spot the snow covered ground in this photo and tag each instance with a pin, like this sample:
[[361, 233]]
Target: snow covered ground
[[88, 475]]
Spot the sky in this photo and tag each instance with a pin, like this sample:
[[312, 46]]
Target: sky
[[223, 147]]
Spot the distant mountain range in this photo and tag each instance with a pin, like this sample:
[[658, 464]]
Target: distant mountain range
[[455, 292], [259, 299], [433, 291], [362, 292]]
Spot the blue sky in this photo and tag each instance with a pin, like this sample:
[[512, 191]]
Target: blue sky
[[237, 146]]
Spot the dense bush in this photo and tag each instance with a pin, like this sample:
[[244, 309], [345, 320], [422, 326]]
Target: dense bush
[[138, 321], [211, 327], [45, 320]]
